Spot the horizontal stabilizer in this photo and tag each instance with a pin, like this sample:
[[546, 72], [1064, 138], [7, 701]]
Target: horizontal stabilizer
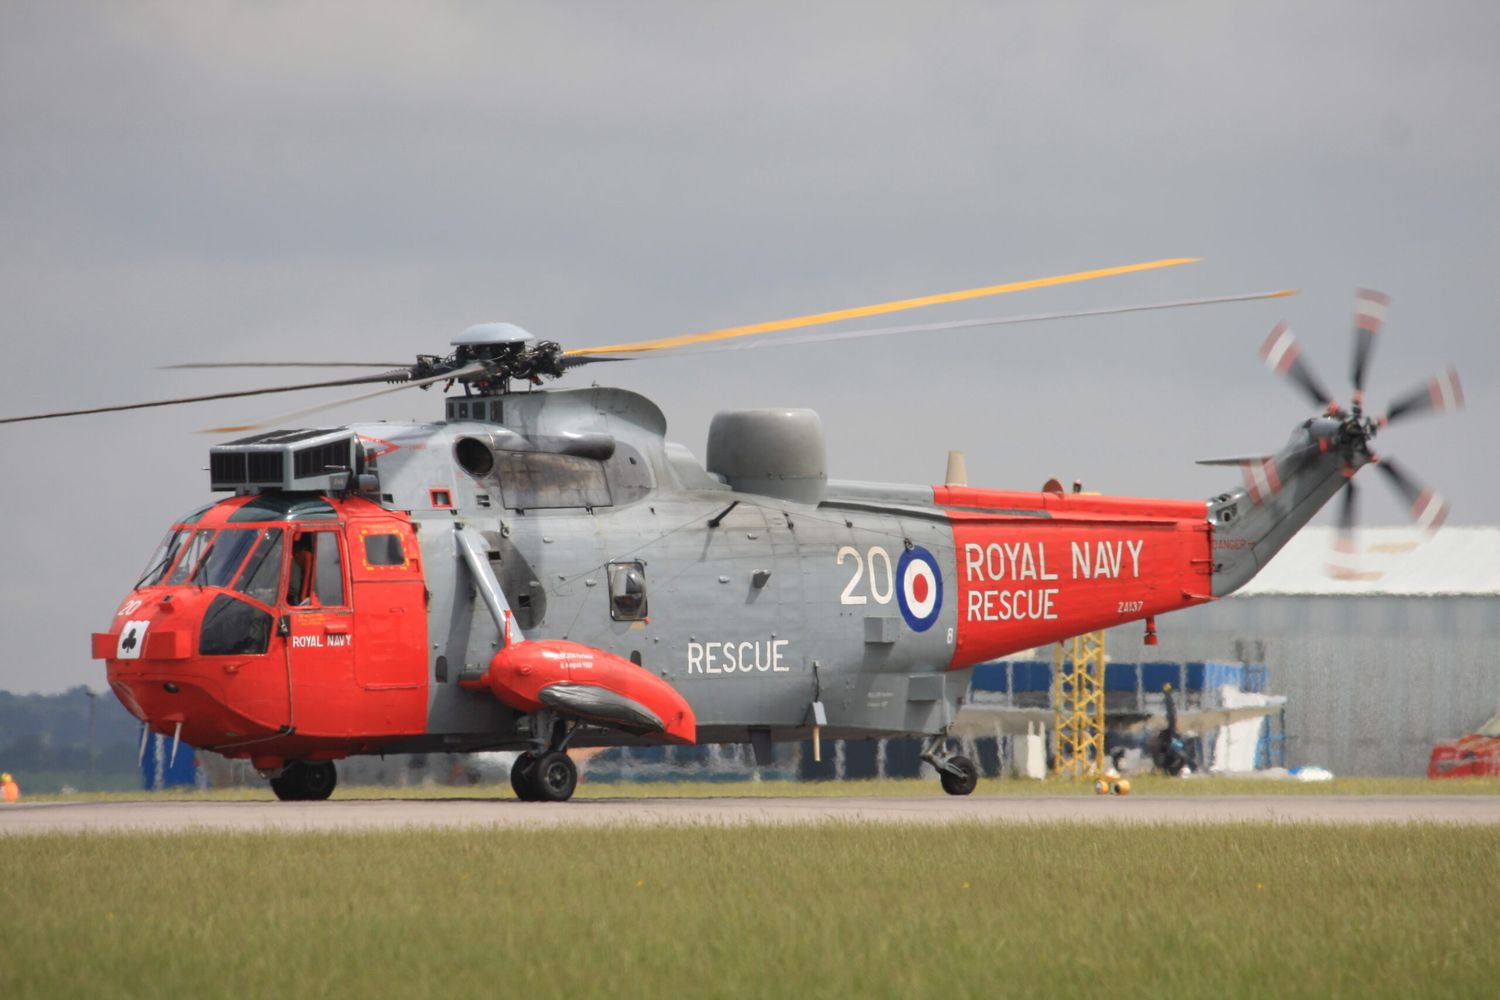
[[1235, 460]]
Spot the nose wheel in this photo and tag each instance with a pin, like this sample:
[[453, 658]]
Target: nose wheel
[[306, 781], [550, 776]]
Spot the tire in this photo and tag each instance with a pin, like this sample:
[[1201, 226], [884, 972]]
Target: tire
[[288, 785], [523, 777], [962, 783], [319, 779], [555, 778]]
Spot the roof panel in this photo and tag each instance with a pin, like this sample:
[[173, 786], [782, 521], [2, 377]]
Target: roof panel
[[1456, 560]]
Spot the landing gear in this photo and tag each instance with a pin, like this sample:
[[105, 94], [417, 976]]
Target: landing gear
[[306, 781], [523, 777], [958, 773], [555, 778], [963, 777], [546, 775]]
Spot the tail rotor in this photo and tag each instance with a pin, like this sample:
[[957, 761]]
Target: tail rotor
[[1443, 392]]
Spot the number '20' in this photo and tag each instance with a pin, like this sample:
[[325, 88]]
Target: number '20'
[[882, 579]]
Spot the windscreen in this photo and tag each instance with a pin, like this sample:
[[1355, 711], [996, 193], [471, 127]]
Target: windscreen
[[162, 558], [261, 578], [197, 546], [225, 556]]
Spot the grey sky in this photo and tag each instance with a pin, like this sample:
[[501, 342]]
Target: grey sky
[[191, 182]]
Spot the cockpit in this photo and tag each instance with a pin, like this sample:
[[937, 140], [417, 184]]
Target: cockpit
[[256, 567], [244, 628]]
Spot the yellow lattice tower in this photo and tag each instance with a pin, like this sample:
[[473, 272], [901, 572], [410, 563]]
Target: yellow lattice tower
[[1078, 705]]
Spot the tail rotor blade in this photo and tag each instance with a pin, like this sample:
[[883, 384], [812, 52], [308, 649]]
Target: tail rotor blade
[[1342, 563], [1426, 506], [1264, 476], [1283, 355], [1369, 317], [1442, 392]]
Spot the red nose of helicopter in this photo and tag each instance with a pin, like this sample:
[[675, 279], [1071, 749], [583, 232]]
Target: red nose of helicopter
[[154, 666], [240, 635]]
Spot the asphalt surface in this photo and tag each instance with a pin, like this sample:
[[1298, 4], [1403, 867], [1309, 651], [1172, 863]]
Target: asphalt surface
[[368, 814]]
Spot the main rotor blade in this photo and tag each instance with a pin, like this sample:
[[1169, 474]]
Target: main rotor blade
[[1369, 317], [1427, 507], [815, 319], [823, 336], [475, 368], [283, 364], [360, 380], [1283, 356], [1441, 392]]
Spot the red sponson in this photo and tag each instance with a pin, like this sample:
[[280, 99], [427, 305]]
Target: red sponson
[[520, 671]]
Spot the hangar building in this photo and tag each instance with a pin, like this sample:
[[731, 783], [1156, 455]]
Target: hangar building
[[1376, 667]]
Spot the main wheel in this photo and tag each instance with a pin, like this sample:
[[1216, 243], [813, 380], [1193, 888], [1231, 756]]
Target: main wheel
[[288, 785], [523, 777], [319, 779], [962, 783], [556, 777]]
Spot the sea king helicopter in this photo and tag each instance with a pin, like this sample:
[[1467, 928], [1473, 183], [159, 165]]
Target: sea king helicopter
[[543, 570]]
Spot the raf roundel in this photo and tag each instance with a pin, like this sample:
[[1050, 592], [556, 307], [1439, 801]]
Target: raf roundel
[[920, 590]]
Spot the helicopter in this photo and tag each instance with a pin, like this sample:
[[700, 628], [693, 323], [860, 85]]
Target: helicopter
[[543, 570]]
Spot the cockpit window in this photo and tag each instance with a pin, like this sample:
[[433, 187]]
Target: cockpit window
[[232, 627], [225, 556], [161, 559], [262, 571], [192, 554], [316, 574], [328, 584], [197, 515]]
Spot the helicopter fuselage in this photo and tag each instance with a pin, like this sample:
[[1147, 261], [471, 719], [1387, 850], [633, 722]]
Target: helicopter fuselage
[[309, 624]]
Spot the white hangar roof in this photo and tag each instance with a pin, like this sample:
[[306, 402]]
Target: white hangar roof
[[1456, 560]]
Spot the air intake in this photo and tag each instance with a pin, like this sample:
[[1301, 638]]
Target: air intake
[[316, 461]]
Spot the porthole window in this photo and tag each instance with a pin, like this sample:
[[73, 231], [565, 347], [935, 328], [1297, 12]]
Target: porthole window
[[627, 591]]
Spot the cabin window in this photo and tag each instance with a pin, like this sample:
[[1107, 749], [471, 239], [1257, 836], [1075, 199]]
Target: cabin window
[[627, 591], [263, 569], [317, 573], [232, 627], [384, 550]]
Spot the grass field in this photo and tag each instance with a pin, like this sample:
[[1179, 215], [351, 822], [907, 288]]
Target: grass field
[[829, 911], [1141, 785]]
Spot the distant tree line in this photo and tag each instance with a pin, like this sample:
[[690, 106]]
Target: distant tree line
[[45, 741]]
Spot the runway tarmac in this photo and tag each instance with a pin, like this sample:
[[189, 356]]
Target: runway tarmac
[[368, 814]]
